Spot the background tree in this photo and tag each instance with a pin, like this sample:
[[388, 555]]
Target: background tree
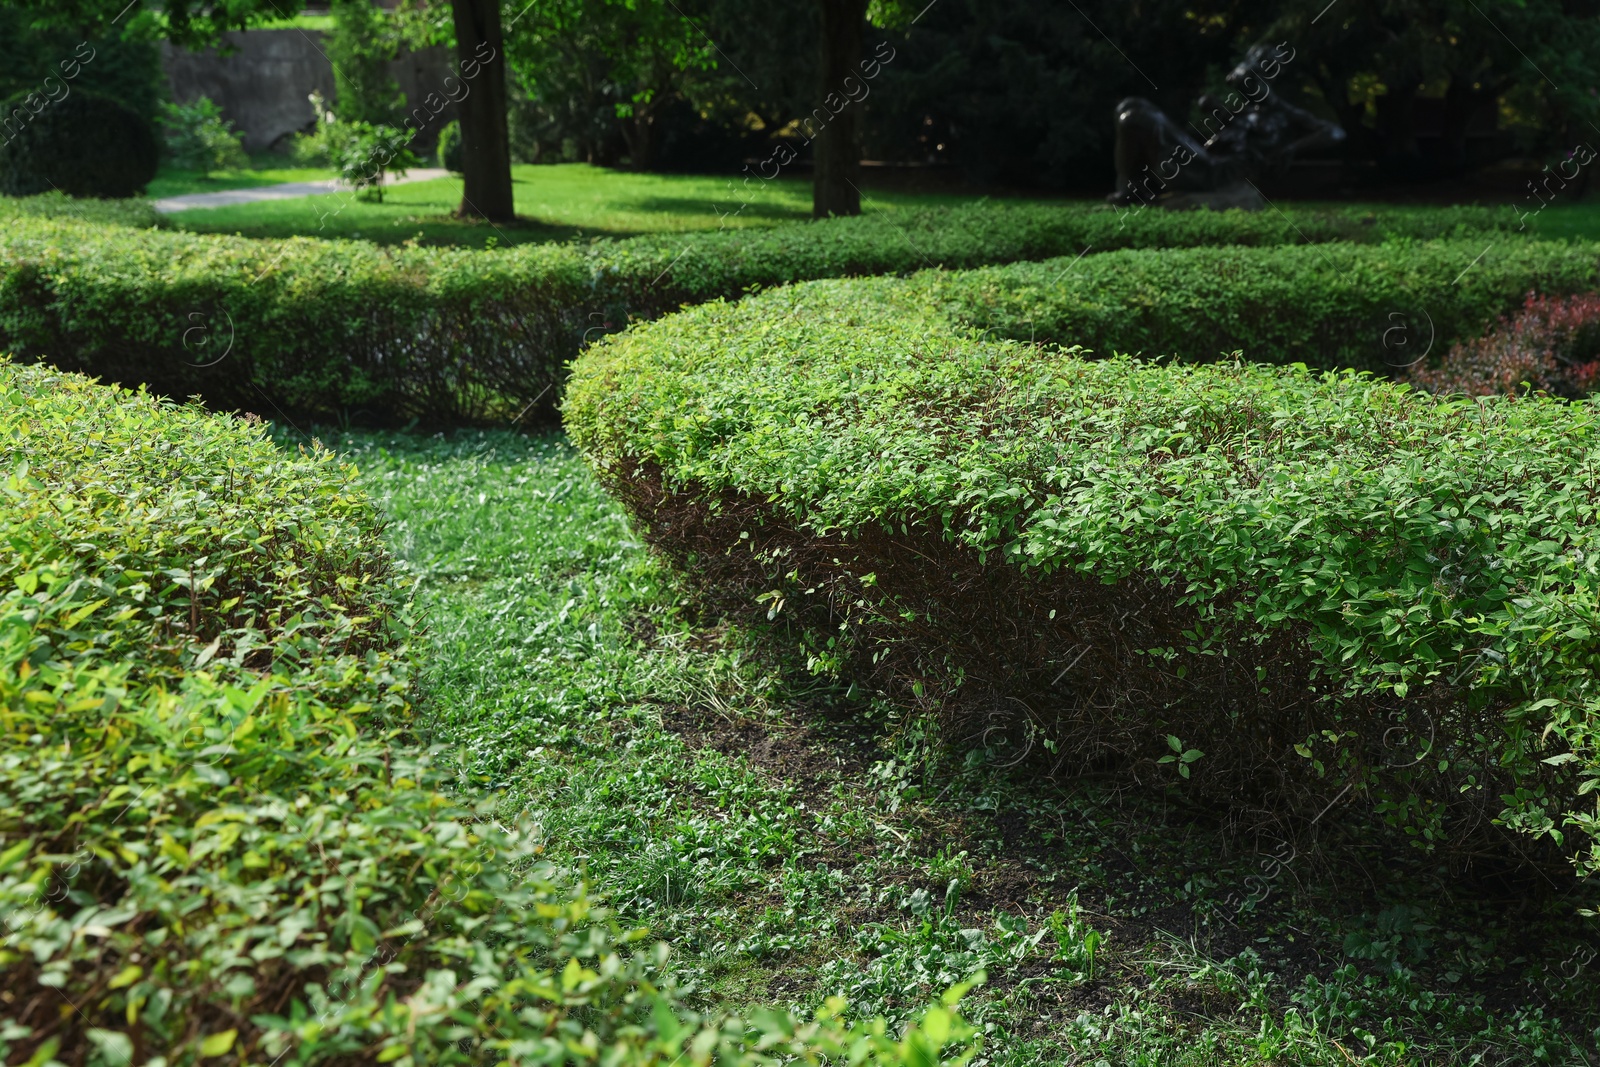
[[604, 71], [1384, 66], [485, 138], [364, 41], [127, 70], [836, 180]]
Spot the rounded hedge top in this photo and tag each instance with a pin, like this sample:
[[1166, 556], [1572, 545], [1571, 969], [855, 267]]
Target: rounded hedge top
[[81, 144], [1419, 547]]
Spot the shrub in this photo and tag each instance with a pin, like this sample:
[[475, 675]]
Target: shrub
[[364, 153], [199, 138], [216, 842], [334, 328], [53, 205], [1329, 306], [1552, 345], [1287, 590], [80, 144], [449, 148], [312, 149]]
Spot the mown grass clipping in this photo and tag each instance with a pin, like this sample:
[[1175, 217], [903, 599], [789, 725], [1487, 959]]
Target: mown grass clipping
[[1297, 592]]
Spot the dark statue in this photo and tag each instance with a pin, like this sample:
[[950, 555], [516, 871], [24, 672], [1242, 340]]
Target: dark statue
[[1247, 132]]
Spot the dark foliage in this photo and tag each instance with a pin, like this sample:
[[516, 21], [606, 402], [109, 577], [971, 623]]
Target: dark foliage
[[82, 145]]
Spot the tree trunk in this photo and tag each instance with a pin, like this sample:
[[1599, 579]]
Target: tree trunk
[[485, 143], [838, 143], [639, 134], [1397, 126]]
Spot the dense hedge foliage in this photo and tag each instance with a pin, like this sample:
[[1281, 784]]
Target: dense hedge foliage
[[338, 328], [1293, 589], [55, 205], [1329, 306], [215, 844], [82, 144]]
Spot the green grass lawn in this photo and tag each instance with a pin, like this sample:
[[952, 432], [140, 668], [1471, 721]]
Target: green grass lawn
[[560, 202], [791, 840], [265, 170], [1579, 221], [575, 200]]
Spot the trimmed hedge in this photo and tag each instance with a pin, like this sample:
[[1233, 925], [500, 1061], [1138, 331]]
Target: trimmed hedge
[[1330, 306], [335, 328], [215, 843], [54, 205], [1295, 590]]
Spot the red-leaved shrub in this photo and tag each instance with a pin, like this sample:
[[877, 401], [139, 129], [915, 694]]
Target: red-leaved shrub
[[1552, 345]]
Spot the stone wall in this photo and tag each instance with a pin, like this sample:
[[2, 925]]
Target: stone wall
[[263, 84]]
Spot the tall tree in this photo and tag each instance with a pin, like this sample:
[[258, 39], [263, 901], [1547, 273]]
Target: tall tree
[[485, 140], [836, 184], [602, 71]]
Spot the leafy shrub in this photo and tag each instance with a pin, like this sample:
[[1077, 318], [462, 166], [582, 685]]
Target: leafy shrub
[[313, 149], [1329, 306], [53, 205], [1303, 589], [215, 840], [364, 153], [332, 328], [1552, 345], [80, 144], [199, 138], [449, 147]]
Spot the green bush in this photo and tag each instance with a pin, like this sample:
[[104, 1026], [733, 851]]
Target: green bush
[[216, 842], [449, 148], [53, 205], [1330, 306], [315, 149], [80, 144], [199, 138], [1293, 590], [330, 328], [364, 153]]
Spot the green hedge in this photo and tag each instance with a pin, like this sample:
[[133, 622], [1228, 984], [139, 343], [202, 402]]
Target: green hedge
[[1330, 306], [346, 328], [215, 841], [53, 205], [1296, 590]]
